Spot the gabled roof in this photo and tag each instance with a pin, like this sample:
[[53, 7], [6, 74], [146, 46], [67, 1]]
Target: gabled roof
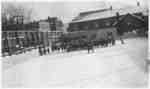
[[106, 13], [83, 14], [132, 15], [137, 17]]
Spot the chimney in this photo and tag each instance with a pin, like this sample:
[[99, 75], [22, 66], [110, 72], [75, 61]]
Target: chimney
[[117, 15], [48, 18], [110, 7], [138, 3]]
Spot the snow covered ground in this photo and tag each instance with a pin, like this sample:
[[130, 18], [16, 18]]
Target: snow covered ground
[[116, 66]]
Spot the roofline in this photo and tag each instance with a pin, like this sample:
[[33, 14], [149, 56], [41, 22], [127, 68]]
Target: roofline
[[90, 20], [93, 11], [77, 21], [135, 16], [102, 18]]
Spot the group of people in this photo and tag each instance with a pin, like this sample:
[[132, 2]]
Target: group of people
[[88, 44], [109, 39], [43, 50]]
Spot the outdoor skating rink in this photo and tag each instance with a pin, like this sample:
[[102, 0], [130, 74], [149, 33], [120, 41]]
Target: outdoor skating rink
[[112, 67]]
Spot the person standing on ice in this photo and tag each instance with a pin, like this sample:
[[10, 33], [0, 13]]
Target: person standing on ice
[[48, 50], [44, 50], [111, 38], [90, 46], [40, 50], [120, 34]]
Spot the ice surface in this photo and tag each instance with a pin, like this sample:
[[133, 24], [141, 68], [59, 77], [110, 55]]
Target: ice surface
[[116, 66]]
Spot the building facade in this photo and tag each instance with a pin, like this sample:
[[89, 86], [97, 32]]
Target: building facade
[[100, 20], [51, 24]]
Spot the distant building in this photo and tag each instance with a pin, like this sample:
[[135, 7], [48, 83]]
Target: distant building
[[51, 24], [44, 25], [55, 24]]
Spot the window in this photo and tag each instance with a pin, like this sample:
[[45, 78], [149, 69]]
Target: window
[[86, 27], [96, 25], [107, 23], [75, 27]]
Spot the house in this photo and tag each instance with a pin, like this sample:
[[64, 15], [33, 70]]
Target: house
[[101, 21]]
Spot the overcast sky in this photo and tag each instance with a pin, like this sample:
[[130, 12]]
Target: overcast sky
[[67, 10]]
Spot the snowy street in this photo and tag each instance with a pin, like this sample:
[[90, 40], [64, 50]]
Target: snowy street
[[115, 66]]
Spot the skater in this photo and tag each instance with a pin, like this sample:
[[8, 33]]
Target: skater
[[40, 50], [44, 50], [112, 39], [90, 47], [48, 50], [120, 34], [109, 38], [121, 39]]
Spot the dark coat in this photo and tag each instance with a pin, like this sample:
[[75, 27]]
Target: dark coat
[[119, 31]]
